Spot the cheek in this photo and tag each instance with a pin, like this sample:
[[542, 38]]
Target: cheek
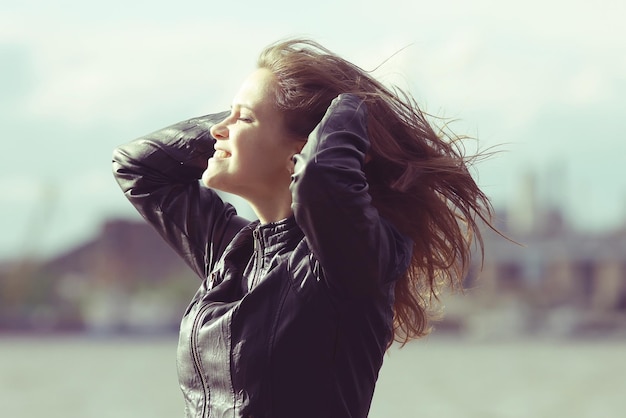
[[264, 153], [256, 155]]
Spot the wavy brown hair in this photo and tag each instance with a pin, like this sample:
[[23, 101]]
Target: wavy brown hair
[[418, 177]]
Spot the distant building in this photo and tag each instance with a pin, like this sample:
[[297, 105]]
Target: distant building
[[556, 270], [125, 279]]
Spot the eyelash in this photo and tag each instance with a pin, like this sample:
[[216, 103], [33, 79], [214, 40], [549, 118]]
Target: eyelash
[[246, 120]]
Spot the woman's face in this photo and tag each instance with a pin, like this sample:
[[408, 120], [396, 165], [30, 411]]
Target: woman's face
[[254, 152]]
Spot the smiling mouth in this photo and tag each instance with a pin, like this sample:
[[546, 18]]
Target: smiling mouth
[[221, 154]]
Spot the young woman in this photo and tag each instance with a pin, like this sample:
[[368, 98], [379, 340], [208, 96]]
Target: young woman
[[364, 213]]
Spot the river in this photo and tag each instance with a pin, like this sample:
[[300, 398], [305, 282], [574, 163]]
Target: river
[[79, 377]]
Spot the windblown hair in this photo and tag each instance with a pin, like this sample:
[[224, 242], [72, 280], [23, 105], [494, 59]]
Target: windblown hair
[[418, 178]]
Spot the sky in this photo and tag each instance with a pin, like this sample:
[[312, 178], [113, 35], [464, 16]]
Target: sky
[[544, 82]]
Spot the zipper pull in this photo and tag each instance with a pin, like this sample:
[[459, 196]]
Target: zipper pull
[[255, 236]]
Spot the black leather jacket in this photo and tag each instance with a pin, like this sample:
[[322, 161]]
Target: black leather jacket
[[292, 318]]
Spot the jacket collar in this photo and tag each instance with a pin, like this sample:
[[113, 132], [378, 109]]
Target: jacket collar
[[276, 236]]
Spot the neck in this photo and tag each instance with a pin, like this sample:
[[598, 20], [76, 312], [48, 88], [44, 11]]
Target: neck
[[273, 209]]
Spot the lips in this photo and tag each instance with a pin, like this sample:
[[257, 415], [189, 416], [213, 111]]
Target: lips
[[219, 153]]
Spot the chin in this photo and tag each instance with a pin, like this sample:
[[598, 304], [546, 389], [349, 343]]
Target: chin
[[209, 180], [214, 181]]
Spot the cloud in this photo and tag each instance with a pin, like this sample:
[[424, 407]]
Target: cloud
[[588, 86], [78, 78], [118, 76]]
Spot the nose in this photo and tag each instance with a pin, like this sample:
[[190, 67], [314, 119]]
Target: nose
[[219, 130]]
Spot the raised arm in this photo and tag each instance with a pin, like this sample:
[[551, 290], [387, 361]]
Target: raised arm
[[357, 249], [159, 174]]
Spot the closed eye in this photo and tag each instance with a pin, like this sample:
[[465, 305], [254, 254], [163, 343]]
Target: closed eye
[[243, 113]]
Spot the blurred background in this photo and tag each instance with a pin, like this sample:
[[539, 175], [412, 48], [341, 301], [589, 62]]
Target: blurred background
[[90, 297]]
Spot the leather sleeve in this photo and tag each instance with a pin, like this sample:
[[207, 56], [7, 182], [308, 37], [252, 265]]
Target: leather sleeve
[[159, 174], [356, 248]]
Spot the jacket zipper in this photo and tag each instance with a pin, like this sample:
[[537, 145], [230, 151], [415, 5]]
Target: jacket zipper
[[258, 265], [195, 353]]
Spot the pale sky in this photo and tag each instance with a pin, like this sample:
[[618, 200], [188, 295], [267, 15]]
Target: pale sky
[[544, 80]]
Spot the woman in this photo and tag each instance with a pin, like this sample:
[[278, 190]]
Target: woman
[[364, 212]]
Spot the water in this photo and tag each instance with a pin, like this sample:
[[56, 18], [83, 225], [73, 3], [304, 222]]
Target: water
[[435, 379], [116, 378]]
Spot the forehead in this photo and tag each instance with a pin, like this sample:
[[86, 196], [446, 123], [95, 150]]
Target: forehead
[[256, 89]]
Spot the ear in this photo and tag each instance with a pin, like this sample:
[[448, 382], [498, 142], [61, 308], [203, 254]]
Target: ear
[[296, 149]]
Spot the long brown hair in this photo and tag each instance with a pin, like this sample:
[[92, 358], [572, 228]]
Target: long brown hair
[[418, 177]]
